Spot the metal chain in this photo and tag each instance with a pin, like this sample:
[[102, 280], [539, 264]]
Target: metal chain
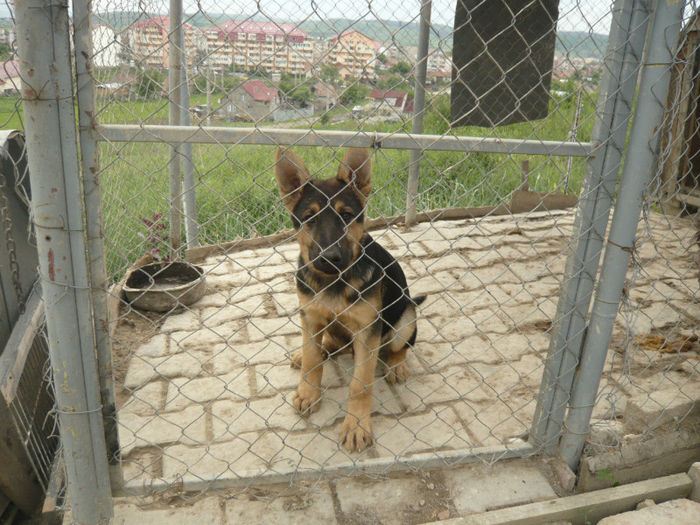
[[11, 246]]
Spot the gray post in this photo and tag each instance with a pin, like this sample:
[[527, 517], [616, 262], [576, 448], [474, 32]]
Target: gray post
[[639, 167], [82, 36], [52, 144], [189, 197], [418, 110], [175, 47], [627, 33]]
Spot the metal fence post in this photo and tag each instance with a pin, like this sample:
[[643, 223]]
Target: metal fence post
[[625, 45], [418, 110], [189, 197], [82, 36], [47, 91], [639, 167], [175, 47]]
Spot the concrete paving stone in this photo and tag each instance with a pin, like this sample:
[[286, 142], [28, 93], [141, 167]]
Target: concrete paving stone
[[334, 404], [438, 428], [215, 298], [141, 371], [515, 317], [265, 273], [231, 332], [662, 408], [286, 304], [272, 378], [451, 261], [674, 512], [502, 377], [308, 505], [389, 501], [444, 355], [655, 292], [184, 392], [479, 487], [212, 317], [224, 282], [146, 400], [477, 278], [206, 510], [185, 364], [221, 266], [157, 346], [468, 242], [440, 247], [312, 451], [641, 320], [514, 345], [187, 320], [274, 350], [428, 283], [260, 328], [419, 392], [185, 426], [246, 456], [141, 466], [471, 322], [231, 418], [407, 251], [497, 420]]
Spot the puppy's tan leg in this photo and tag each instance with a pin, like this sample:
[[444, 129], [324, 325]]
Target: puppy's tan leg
[[396, 368], [306, 399], [356, 432]]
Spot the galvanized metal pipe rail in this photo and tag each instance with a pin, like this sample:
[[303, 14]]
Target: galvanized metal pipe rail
[[625, 45], [43, 41], [640, 165], [332, 138]]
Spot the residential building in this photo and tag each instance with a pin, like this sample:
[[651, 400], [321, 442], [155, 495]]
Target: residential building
[[147, 40], [107, 50], [354, 54], [326, 96], [10, 81], [388, 102], [269, 46], [252, 101], [438, 60]]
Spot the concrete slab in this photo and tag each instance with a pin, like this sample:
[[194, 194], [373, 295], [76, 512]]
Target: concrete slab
[[479, 487], [204, 511], [674, 512]]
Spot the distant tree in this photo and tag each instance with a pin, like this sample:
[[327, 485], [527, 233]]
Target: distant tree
[[150, 82], [5, 52], [299, 95], [402, 68], [330, 74], [382, 58], [354, 94]]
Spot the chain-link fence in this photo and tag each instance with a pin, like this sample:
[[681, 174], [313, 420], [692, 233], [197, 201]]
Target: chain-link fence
[[491, 135]]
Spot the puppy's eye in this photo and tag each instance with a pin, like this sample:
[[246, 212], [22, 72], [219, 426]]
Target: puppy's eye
[[347, 217], [309, 218]]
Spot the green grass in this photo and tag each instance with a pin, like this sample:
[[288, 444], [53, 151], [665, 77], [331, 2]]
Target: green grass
[[236, 191]]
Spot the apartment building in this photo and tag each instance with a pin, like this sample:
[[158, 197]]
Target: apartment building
[[353, 53], [274, 47], [147, 41]]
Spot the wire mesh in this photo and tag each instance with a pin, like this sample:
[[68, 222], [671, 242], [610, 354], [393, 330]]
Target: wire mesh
[[205, 392]]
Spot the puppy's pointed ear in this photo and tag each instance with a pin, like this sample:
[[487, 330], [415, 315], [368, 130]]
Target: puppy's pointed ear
[[291, 175], [356, 169]]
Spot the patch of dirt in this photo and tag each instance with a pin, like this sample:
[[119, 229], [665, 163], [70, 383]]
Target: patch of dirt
[[660, 343], [134, 328]]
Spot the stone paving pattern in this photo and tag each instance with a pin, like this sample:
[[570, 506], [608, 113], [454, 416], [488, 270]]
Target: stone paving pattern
[[207, 391]]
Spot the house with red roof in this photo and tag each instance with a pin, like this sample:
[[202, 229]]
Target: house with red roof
[[10, 81], [251, 101], [387, 101]]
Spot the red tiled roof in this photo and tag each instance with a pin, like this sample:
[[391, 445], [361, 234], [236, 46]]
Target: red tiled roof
[[9, 69], [383, 94], [259, 91], [231, 27]]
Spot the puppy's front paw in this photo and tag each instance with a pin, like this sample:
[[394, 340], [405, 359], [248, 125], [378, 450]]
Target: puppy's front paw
[[307, 399], [295, 359], [356, 434], [397, 373]]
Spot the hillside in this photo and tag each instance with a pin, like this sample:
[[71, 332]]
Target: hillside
[[578, 44]]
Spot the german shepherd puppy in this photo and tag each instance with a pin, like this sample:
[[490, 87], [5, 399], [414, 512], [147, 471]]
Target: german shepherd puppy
[[352, 292]]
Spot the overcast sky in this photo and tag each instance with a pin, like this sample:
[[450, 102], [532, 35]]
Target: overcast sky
[[575, 15]]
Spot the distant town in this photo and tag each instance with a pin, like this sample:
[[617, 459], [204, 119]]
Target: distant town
[[265, 55]]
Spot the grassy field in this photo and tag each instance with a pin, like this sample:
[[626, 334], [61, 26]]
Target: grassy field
[[236, 192]]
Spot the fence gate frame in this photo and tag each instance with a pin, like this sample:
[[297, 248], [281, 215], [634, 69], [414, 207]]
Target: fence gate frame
[[71, 244]]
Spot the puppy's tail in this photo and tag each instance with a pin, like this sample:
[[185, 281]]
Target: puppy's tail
[[418, 300]]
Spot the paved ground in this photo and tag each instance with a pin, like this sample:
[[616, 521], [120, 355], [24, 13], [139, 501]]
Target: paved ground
[[205, 393]]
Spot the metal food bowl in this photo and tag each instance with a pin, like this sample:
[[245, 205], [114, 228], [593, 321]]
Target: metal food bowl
[[163, 286]]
